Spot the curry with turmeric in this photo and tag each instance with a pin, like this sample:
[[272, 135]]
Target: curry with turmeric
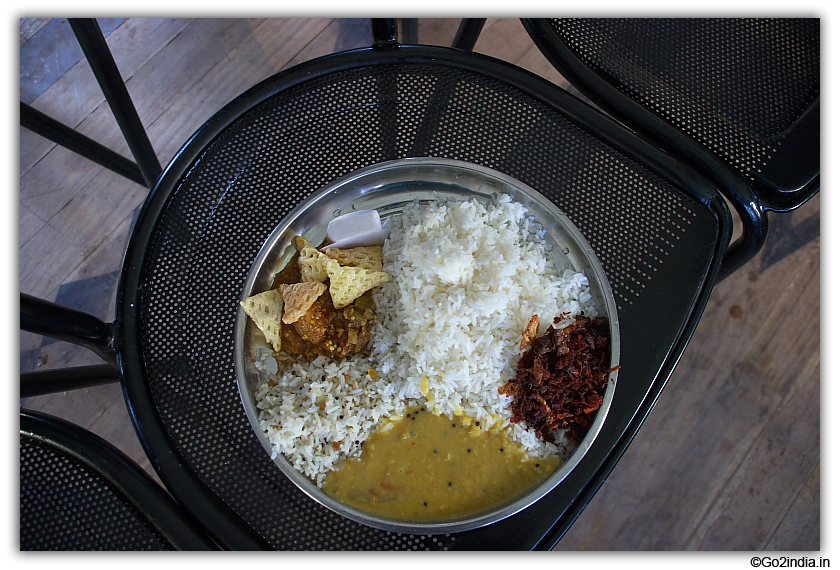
[[426, 467]]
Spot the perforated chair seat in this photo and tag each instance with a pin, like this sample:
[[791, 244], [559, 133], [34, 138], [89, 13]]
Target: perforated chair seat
[[737, 85], [658, 229], [78, 492]]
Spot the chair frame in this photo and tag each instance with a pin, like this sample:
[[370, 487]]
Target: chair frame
[[122, 474]]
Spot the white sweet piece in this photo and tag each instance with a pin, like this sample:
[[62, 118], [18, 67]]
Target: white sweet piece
[[356, 229], [376, 237]]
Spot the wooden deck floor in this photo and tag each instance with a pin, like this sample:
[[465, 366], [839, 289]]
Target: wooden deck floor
[[729, 459]]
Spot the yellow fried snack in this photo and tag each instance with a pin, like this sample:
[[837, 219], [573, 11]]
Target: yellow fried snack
[[266, 310], [348, 283], [298, 298], [530, 332], [314, 265], [368, 257], [300, 242]]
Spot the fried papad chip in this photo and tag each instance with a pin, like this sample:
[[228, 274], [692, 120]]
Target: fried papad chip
[[530, 332], [367, 257], [349, 283], [314, 264], [266, 310], [300, 242], [298, 297]]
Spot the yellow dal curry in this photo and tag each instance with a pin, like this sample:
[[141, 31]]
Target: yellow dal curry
[[428, 467]]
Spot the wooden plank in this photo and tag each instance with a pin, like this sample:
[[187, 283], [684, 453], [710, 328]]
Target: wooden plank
[[29, 341], [769, 479], [168, 75], [95, 260], [58, 354], [800, 528], [139, 40], [50, 52], [98, 297], [270, 48], [108, 255], [273, 44], [54, 181], [340, 34], [32, 148], [30, 224], [437, 31], [504, 38], [177, 67], [111, 199], [352, 33], [30, 26], [70, 100], [76, 95], [46, 57], [107, 258], [45, 260], [73, 97], [176, 92], [45, 265]]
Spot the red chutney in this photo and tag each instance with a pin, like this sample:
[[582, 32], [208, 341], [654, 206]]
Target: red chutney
[[560, 380]]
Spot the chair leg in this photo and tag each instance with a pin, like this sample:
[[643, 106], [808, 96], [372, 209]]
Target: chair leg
[[59, 133], [43, 382], [468, 32], [108, 75], [384, 32], [63, 323]]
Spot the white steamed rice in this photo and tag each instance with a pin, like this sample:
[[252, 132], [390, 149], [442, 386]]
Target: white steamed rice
[[465, 278]]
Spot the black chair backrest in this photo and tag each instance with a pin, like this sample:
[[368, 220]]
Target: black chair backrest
[[736, 98], [78, 492]]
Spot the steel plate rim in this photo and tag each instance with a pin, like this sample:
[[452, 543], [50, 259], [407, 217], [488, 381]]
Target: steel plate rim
[[470, 522]]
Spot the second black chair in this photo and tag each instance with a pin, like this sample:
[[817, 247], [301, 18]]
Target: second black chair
[[736, 98]]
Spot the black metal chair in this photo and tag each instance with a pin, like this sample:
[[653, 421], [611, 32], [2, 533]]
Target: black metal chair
[[659, 228], [738, 99], [78, 492]]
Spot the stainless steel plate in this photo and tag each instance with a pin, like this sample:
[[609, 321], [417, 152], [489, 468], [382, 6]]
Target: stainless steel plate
[[388, 187]]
